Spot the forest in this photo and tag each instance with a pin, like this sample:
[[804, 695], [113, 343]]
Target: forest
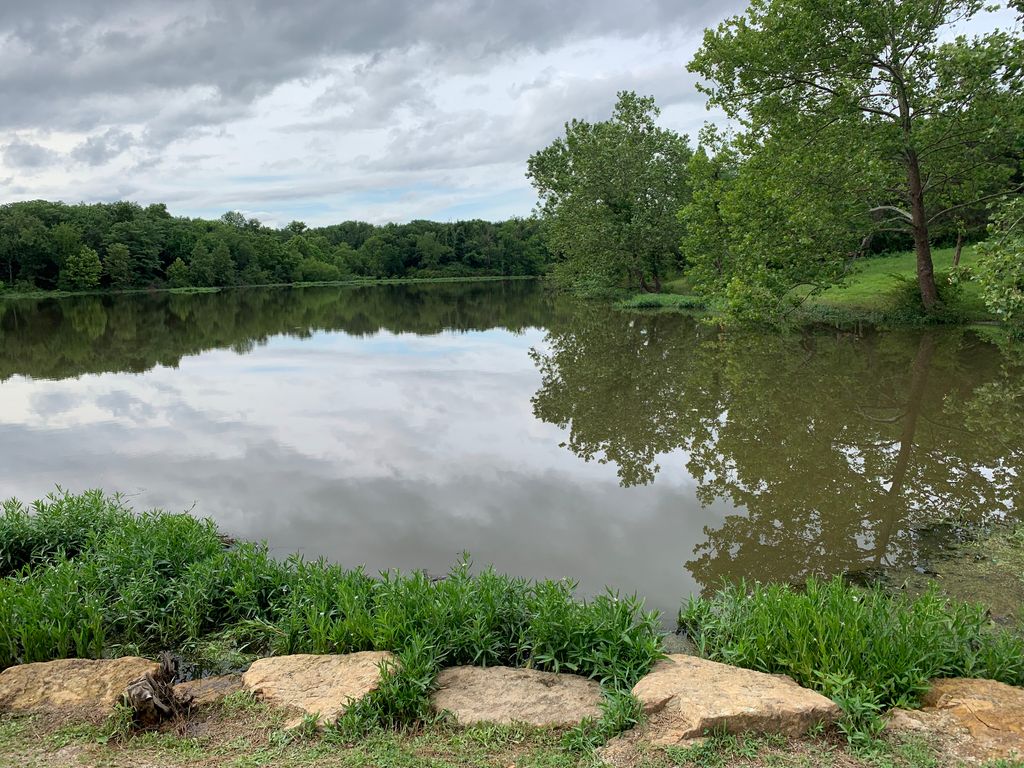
[[55, 246]]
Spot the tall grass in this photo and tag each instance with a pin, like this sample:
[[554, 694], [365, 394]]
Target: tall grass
[[87, 576], [865, 649]]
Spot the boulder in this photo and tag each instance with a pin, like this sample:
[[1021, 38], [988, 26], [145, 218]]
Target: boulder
[[976, 720], [78, 687], [313, 684], [208, 690], [508, 695], [685, 697]]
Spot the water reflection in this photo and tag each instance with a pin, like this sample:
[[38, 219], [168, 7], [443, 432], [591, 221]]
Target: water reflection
[[835, 450], [397, 426]]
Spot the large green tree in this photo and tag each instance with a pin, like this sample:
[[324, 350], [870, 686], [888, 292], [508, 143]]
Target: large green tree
[[929, 126], [610, 192]]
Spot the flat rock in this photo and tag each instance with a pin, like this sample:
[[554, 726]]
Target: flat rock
[[314, 684], [209, 690], [78, 687], [976, 720], [509, 695], [685, 697]]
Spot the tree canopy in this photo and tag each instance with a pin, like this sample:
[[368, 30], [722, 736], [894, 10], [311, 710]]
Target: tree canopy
[[859, 117], [610, 193]]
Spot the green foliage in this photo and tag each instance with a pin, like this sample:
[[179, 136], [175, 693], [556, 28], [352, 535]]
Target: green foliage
[[860, 120], [863, 648], [178, 274], [1000, 264], [609, 194], [118, 266], [905, 300], [620, 711], [41, 243], [81, 270]]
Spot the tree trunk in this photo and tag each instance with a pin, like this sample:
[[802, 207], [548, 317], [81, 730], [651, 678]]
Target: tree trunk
[[959, 247], [919, 224]]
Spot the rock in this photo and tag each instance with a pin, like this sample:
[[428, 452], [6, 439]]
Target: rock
[[208, 690], [507, 695], [79, 687], [991, 714], [686, 696], [315, 685]]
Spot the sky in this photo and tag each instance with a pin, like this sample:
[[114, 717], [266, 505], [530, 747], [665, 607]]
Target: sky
[[324, 110]]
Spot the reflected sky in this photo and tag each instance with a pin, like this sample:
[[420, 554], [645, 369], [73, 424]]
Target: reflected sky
[[400, 426]]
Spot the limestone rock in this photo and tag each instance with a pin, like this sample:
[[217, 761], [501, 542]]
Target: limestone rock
[[509, 695], [989, 714], [686, 696], [208, 690], [315, 685], [78, 687]]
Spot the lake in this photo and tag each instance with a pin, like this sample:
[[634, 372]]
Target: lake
[[397, 426]]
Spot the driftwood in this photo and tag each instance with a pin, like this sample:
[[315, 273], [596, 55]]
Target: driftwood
[[151, 697]]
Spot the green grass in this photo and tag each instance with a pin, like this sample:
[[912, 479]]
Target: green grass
[[863, 648], [872, 284], [86, 577]]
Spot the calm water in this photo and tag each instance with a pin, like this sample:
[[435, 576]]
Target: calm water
[[399, 426]]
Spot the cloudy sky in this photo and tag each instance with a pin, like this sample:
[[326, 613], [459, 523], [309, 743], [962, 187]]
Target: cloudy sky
[[323, 110]]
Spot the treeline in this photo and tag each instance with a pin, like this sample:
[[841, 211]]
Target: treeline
[[50, 246], [859, 128]]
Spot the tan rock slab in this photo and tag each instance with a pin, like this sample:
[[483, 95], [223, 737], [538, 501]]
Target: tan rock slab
[[991, 714], [208, 690], [313, 684], [509, 695], [79, 687], [685, 697]]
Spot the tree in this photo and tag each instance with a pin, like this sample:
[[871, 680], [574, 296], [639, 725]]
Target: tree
[[178, 274], [927, 127], [118, 266], [81, 270], [212, 268], [609, 192]]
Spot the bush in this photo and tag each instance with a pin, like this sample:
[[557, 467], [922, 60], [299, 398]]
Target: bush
[[866, 650], [907, 306], [1000, 264]]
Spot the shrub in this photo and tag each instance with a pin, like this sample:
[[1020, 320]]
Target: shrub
[[1000, 264], [906, 300]]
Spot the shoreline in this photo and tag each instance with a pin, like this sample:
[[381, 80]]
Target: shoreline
[[355, 283]]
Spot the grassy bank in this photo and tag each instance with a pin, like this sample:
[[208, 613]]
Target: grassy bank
[[355, 282], [875, 292], [242, 733], [83, 575]]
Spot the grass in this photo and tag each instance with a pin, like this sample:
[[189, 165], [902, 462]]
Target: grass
[[863, 648], [88, 577], [247, 735]]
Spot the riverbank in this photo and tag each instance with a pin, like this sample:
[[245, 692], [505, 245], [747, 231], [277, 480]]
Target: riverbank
[[874, 294], [85, 576], [359, 282]]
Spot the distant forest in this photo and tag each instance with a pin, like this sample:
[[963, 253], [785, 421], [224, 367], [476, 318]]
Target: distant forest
[[55, 246]]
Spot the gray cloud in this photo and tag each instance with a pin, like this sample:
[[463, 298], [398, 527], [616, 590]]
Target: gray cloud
[[27, 155], [104, 147]]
